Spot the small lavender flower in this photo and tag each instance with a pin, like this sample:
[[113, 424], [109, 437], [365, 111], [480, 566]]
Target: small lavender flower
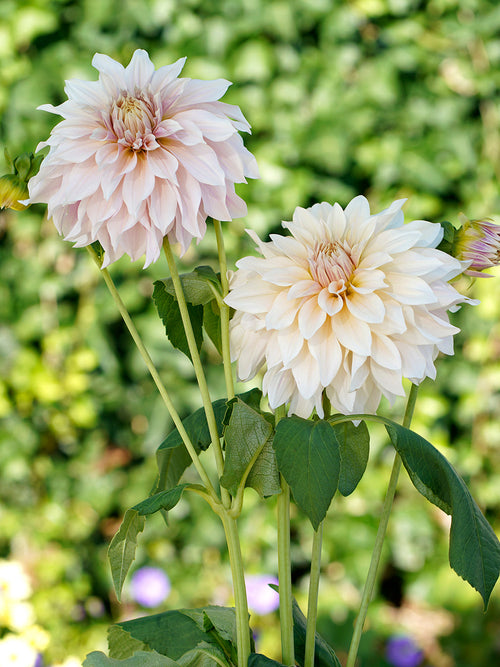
[[402, 652], [150, 586], [478, 242], [262, 599]]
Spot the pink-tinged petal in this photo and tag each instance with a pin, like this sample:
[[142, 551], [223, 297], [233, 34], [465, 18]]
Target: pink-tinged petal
[[215, 128], [139, 71], [163, 207], [85, 93], [190, 202], [235, 205], [107, 154], [290, 247], [311, 318], [137, 186], [166, 74], [214, 201], [163, 165], [197, 92], [201, 163], [112, 73]]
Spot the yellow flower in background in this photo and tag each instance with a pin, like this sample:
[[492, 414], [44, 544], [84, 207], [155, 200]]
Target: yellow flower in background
[[350, 303]]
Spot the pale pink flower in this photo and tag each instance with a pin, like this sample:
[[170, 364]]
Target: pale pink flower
[[140, 155], [477, 242], [350, 303]]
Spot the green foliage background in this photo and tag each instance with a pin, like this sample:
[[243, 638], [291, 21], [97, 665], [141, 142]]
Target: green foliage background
[[387, 98]]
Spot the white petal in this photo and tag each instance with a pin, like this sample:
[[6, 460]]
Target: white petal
[[352, 333], [311, 318]]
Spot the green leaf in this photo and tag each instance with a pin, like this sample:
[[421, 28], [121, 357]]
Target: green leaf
[[245, 435], [204, 655], [173, 457], [264, 476], [195, 285], [139, 659], [177, 632], [165, 500], [259, 660], [474, 548], [211, 323], [354, 446], [121, 552], [221, 619], [308, 457], [324, 655], [168, 310]]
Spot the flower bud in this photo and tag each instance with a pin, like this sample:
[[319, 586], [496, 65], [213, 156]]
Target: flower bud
[[14, 187], [478, 242]]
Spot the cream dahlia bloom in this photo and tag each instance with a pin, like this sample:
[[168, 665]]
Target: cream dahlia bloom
[[140, 155], [351, 303]]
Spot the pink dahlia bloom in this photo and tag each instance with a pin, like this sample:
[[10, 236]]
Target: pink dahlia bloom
[[140, 155], [350, 303]]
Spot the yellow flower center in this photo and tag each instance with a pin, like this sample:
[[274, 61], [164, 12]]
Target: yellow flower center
[[134, 120], [331, 265]]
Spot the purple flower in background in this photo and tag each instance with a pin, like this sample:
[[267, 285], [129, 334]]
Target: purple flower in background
[[149, 586], [262, 599], [403, 652], [38, 661]]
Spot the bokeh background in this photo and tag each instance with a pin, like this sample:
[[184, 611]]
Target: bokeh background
[[387, 98]]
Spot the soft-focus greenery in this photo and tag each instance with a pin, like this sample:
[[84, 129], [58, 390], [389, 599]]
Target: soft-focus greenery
[[387, 98]]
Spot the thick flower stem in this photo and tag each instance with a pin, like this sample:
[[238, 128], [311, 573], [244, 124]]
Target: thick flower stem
[[379, 541], [154, 374], [312, 603], [224, 311], [198, 367], [240, 594]]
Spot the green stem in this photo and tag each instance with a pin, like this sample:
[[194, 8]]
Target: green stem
[[154, 374], [379, 541], [312, 604], [224, 311], [240, 594], [285, 566], [198, 367]]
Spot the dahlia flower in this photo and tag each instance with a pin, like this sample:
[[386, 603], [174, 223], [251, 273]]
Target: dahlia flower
[[350, 303], [140, 155], [477, 242]]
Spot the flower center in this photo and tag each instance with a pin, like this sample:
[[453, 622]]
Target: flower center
[[331, 265], [134, 120]]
